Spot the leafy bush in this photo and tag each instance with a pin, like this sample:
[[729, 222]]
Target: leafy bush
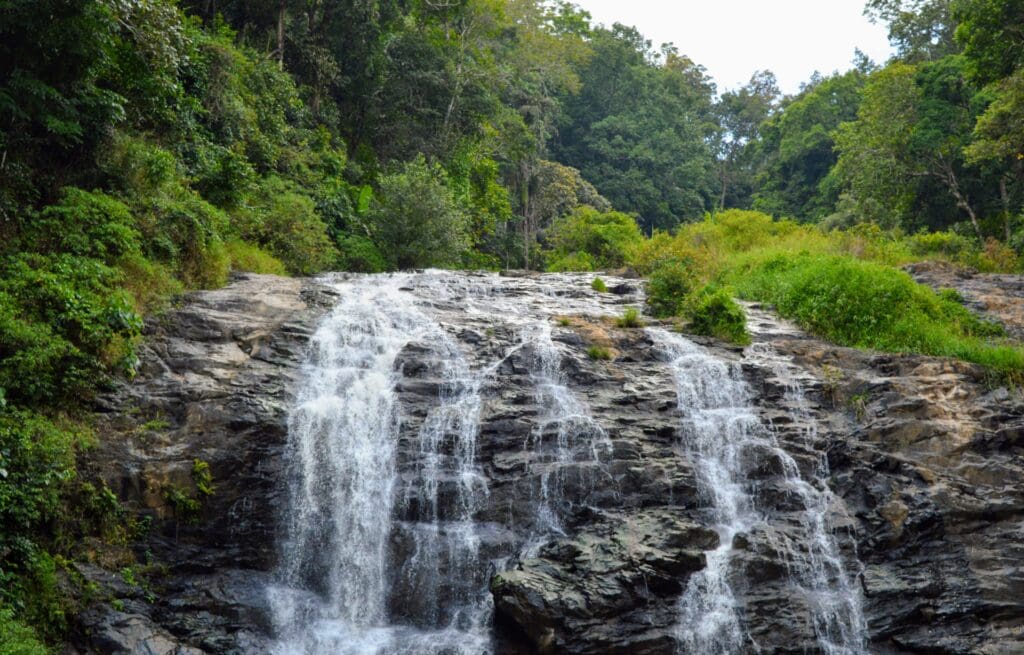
[[16, 638], [284, 221], [360, 255], [86, 224], [572, 262], [185, 232], [62, 322], [36, 459], [714, 313], [668, 288], [599, 286], [606, 237], [253, 259], [945, 244], [416, 221]]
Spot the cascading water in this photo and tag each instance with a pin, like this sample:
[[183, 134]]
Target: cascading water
[[817, 566], [336, 578], [722, 429], [566, 432], [355, 495], [393, 534]]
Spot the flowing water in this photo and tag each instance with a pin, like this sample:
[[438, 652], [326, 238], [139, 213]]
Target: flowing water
[[385, 552], [341, 573], [336, 578], [722, 432]]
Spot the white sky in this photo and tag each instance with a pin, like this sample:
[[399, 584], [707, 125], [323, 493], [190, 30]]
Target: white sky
[[734, 38]]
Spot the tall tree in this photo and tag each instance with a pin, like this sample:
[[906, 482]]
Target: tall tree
[[921, 30], [740, 114], [797, 149], [640, 129]]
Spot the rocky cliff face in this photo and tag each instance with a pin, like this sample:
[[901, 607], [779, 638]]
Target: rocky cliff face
[[596, 516]]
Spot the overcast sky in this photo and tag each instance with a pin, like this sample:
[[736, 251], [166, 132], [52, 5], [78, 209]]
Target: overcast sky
[[733, 38]]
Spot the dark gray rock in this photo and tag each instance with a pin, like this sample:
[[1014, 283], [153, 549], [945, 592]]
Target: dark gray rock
[[925, 461]]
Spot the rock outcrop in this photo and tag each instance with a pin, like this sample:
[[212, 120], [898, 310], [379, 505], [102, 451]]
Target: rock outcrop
[[998, 297], [213, 389], [924, 463]]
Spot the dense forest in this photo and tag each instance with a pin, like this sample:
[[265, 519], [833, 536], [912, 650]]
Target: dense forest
[[152, 146]]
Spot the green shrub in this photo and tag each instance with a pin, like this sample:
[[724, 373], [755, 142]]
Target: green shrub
[[36, 465], [186, 233], [599, 286], [253, 259], [948, 245], [599, 353], [571, 263], [283, 220], [62, 322], [607, 237], [714, 313], [360, 255], [630, 319], [202, 477], [668, 288], [416, 220], [86, 224], [16, 638], [863, 304]]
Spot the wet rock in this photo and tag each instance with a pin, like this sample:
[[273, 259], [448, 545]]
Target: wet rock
[[923, 459]]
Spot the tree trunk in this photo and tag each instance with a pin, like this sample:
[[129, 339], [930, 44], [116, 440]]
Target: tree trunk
[[1004, 195], [725, 186], [961, 200], [282, 8]]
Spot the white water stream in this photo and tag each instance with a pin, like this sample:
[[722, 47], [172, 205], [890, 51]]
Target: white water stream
[[722, 431]]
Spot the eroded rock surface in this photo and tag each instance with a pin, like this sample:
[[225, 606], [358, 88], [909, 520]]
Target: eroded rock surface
[[996, 296], [214, 386], [924, 461]]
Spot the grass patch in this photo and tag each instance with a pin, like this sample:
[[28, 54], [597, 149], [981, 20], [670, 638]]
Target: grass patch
[[599, 353], [630, 319], [599, 286], [869, 305]]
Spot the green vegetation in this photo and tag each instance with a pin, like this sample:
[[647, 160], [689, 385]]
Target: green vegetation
[[155, 146], [716, 314], [630, 319], [599, 286], [17, 638], [599, 353], [602, 240]]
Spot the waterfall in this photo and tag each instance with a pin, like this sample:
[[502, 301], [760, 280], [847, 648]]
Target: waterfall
[[568, 439], [721, 428], [337, 577], [816, 563], [394, 528]]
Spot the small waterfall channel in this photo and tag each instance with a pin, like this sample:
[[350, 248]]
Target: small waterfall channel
[[392, 534], [724, 432]]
